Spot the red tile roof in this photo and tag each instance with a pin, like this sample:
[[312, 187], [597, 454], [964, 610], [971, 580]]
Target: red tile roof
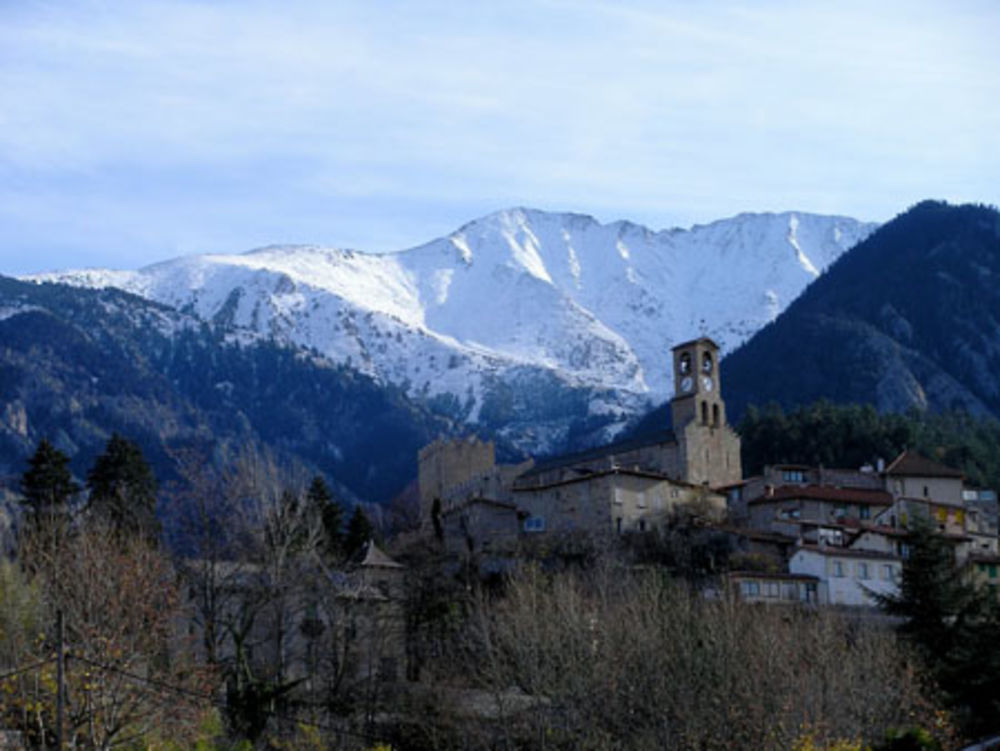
[[826, 493], [848, 552], [914, 465]]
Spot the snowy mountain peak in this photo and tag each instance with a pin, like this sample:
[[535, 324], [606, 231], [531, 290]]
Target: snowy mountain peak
[[521, 291]]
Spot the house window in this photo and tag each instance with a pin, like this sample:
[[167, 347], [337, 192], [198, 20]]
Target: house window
[[864, 512], [618, 495], [838, 568], [534, 524], [888, 572], [862, 570], [618, 524], [993, 571], [840, 511], [793, 475], [772, 589], [642, 499], [751, 589]]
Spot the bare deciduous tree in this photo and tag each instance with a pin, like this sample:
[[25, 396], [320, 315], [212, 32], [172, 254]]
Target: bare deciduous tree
[[621, 659]]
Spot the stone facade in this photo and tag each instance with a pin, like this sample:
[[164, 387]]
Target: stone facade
[[446, 465], [612, 500], [624, 486]]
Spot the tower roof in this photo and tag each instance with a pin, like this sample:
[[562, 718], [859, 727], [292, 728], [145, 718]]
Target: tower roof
[[371, 556], [699, 340]]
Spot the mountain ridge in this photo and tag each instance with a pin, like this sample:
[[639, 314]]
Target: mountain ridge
[[556, 303]]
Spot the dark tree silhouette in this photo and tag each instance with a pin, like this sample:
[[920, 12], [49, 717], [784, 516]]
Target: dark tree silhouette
[[47, 485], [359, 531], [123, 489], [331, 514]]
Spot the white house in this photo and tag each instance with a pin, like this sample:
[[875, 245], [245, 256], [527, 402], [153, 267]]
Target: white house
[[847, 576]]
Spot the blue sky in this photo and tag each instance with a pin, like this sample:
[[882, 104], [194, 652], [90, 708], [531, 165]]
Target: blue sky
[[132, 132]]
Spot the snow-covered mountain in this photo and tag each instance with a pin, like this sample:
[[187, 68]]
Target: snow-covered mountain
[[516, 310]]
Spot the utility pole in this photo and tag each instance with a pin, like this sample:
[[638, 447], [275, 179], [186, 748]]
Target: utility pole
[[60, 679]]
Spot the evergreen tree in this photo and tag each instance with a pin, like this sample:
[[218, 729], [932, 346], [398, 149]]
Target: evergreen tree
[[931, 595], [331, 514], [47, 485], [123, 489], [954, 627], [359, 531]]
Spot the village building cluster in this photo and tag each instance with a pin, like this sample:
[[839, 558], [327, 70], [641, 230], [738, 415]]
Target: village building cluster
[[814, 534], [798, 534]]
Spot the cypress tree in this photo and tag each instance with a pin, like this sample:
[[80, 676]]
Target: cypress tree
[[331, 515], [123, 489], [359, 531], [47, 485]]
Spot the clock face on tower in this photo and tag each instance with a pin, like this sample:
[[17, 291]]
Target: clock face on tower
[[706, 383], [686, 384]]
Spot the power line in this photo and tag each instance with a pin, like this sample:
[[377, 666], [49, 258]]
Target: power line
[[215, 701], [26, 668]]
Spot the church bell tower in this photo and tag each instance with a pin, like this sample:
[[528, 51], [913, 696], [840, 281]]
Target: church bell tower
[[697, 392], [709, 450]]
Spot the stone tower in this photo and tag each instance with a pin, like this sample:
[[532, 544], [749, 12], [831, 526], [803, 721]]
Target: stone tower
[[709, 448]]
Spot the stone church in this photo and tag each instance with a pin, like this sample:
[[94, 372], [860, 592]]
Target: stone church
[[624, 486]]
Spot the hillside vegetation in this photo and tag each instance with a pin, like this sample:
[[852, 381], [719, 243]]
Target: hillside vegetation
[[852, 435]]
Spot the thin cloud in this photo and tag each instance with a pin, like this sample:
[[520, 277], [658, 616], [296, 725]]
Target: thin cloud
[[405, 115]]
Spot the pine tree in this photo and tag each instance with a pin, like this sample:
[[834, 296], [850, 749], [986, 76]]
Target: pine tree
[[47, 485], [123, 489], [331, 515], [931, 595], [359, 531], [954, 627]]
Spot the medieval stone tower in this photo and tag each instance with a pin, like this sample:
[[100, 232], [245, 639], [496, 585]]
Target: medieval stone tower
[[709, 449]]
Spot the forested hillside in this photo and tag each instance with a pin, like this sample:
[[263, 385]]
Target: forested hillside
[[77, 365], [852, 435], [910, 317]]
